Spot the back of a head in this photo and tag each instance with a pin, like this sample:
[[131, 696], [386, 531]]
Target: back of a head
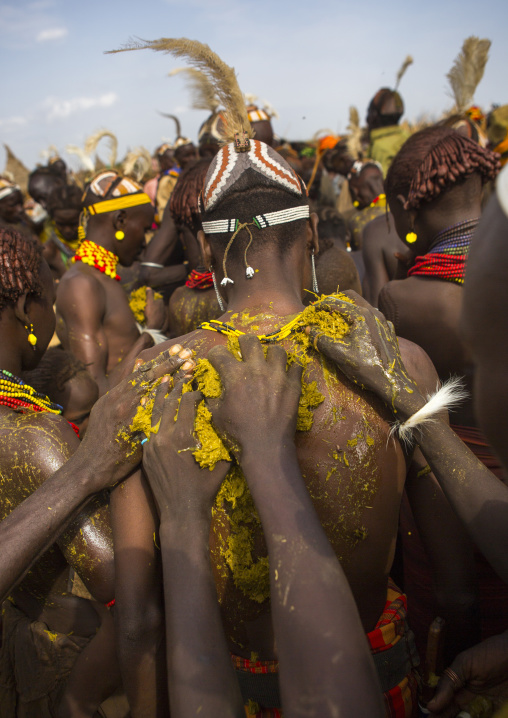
[[20, 261], [41, 183], [184, 198], [335, 269], [250, 187], [433, 161], [385, 109], [54, 370], [68, 196]]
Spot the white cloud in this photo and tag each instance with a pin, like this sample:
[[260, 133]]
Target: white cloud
[[61, 109], [11, 123], [52, 33]]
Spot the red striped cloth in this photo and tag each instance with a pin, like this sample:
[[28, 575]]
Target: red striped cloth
[[400, 701]]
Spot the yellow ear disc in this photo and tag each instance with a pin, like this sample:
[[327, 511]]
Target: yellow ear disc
[[411, 237], [119, 235]]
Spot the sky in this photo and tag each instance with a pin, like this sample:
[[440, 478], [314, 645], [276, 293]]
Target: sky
[[310, 60]]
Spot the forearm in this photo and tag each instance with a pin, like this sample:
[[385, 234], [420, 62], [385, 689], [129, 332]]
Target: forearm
[[476, 495], [34, 525], [313, 610], [154, 277], [199, 665]]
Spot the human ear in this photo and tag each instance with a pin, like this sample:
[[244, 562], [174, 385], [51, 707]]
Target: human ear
[[120, 219], [312, 233], [206, 250], [20, 309]]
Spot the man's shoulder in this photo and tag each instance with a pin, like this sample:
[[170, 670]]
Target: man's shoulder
[[79, 283], [43, 441]]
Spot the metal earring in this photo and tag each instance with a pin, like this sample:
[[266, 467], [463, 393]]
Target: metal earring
[[219, 298], [315, 287]]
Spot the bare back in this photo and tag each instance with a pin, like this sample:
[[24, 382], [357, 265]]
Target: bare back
[[355, 477]]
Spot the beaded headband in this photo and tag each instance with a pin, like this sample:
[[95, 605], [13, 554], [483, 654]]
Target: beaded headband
[[261, 221]]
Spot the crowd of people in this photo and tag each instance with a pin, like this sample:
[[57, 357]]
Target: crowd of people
[[253, 436]]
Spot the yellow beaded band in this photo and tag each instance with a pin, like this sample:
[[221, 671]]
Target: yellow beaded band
[[111, 205]]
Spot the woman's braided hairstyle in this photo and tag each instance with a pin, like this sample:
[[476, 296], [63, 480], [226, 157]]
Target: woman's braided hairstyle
[[20, 261], [432, 161]]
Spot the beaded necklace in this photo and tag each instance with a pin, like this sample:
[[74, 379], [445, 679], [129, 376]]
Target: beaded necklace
[[96, 256], [447, 257], [199, 280], [16, 395], [380, 201]]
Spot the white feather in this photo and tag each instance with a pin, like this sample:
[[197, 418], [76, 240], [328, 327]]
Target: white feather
[[451, 393], [157, 336], [85, 159]]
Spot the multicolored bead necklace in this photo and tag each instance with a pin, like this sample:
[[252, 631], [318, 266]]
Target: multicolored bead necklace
[[447, 257], [17, 395], [96, 256]]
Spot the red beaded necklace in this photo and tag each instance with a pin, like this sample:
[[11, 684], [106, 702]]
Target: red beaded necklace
[[96, 256]]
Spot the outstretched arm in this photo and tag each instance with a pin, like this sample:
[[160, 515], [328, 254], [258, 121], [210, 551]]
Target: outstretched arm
[[369, 355], [324, 659], [102, 459]]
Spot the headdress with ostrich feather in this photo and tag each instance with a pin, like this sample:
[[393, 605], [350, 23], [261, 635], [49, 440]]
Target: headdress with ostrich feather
[[387, 101], [241, 159]]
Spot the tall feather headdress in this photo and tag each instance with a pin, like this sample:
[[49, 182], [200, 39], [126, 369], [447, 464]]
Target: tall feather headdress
[[402, 71], [137, 163], [354, 139], [203, 95], [221, 76], [175, 120], [92, 142], [467, 71]]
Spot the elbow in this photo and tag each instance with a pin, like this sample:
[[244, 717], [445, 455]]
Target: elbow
[[140, 626]]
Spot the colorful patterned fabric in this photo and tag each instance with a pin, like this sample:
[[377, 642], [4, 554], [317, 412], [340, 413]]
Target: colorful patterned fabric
[[448, 254], [400, 701], [229, 166], [199, 280]]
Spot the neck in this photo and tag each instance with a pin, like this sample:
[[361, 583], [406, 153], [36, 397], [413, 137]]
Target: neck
[[431, 223], [102, 236], [274, 288], [10, 356]]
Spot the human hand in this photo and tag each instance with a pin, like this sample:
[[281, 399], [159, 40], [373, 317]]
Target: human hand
[[180, 486], [155, 310], [481, 670], [259, 403], [369, 354], [108, 441]]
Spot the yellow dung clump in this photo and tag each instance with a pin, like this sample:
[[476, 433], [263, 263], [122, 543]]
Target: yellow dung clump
[[211, 449], [137, 303]]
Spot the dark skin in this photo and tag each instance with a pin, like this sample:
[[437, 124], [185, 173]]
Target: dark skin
[[78, 398], [426, 310], [67, 223], [11, 208], [43, 444], [478, 498], [47, 489], [159, 251], [270, 304], [297, 546], [366, 186], [94, 320], [381, 249]]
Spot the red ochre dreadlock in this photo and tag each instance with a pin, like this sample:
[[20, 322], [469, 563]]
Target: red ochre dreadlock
[[20, 259], [433, 160], [184, 198]]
